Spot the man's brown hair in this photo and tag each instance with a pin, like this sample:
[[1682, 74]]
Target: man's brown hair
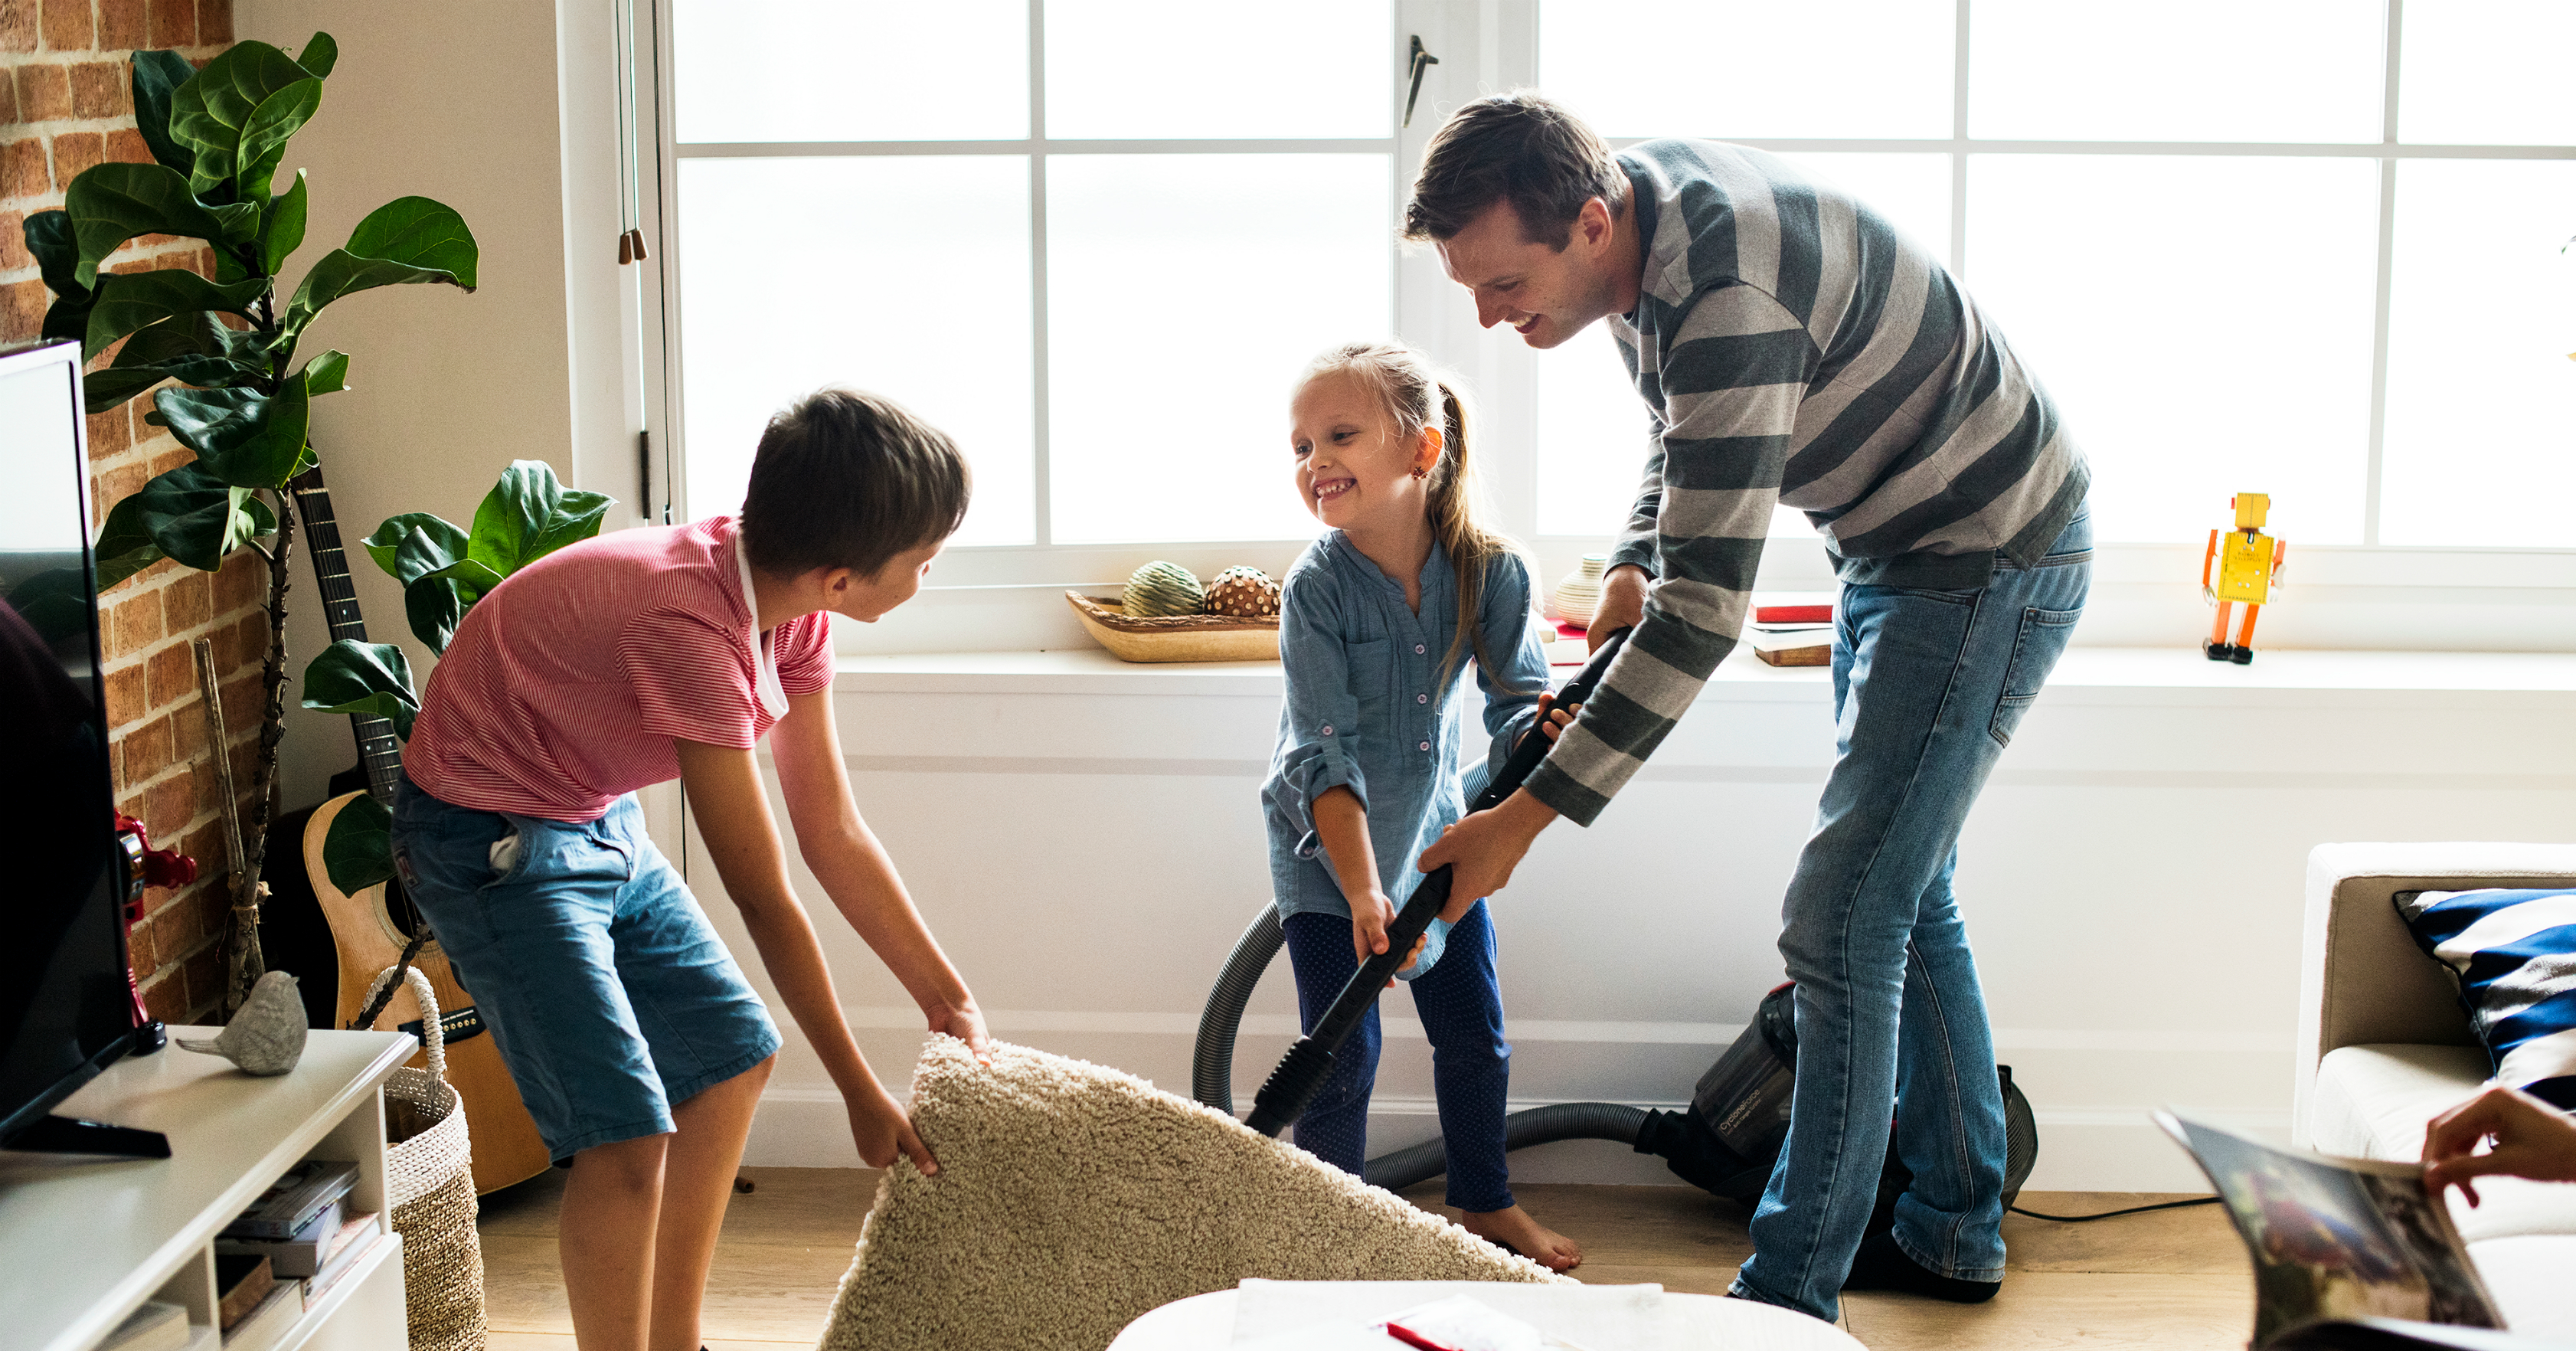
[[1518, 148], [845, 479]]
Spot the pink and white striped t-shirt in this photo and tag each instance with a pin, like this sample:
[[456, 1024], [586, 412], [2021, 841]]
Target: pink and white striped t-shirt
[[566, 684]]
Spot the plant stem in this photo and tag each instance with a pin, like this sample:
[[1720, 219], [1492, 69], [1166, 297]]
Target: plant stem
[[245, 964]]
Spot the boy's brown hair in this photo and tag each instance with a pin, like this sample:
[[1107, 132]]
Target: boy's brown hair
[[846, 479], [1518, 148]]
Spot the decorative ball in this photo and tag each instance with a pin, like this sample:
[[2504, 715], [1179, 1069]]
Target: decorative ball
[[1243, 593], [1159, 588]]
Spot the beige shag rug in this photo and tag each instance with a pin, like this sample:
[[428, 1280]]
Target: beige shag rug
[[1072, 1198]]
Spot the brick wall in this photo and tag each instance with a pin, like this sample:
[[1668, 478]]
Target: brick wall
[[65, 105]]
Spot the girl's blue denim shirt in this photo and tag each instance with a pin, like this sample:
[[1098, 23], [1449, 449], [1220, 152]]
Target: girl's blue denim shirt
[[1367, 711]]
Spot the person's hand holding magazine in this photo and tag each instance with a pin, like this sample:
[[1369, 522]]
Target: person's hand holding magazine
[[2530, 1139]]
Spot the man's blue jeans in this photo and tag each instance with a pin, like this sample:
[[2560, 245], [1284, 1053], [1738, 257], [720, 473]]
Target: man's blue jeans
[[1928, 687]]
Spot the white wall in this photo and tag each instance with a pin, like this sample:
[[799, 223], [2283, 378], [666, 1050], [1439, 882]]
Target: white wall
[[1088, 846]]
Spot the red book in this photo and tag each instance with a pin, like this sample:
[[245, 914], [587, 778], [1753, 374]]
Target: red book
[[1793, 614]]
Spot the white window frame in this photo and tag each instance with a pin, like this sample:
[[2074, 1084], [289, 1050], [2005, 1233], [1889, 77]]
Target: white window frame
[[989, 597]]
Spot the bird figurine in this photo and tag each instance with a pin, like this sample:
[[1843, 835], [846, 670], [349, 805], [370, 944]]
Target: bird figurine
[[267, 1035]]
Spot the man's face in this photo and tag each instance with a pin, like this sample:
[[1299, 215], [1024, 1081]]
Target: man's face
[[1547, 295]]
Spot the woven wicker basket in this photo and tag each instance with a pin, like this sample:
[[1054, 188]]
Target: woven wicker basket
[[429, 1191], [1176, 637]]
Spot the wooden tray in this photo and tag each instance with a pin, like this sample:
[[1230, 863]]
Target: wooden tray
[[1175, 637]]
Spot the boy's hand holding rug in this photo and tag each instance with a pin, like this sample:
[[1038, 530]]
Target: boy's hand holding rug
[[1075, 1198]]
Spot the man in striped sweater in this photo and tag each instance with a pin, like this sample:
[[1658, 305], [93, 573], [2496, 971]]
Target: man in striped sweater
[[1793, 349]]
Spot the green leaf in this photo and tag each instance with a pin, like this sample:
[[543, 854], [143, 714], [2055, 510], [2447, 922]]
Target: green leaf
[[529, 514], [196, 518], [211, 112], [319, 56], [390, 537], [327, 373], [421, 232], [49, 237], [284, 232], [127, 301], [435, 607], [156, 75], [124, 546], [192, 349], [112, 203], [354, 677], [264, 137], [358, 851], [241, 436], [409, 239]]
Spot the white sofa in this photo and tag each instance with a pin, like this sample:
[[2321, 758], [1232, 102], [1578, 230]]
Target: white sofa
[[2384, 1047]]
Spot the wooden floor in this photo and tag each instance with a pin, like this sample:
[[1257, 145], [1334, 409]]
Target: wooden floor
[[2175, 1280]]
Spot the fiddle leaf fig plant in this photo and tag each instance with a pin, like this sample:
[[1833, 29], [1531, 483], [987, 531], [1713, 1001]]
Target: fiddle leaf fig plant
[[219, 355], [444, 571]]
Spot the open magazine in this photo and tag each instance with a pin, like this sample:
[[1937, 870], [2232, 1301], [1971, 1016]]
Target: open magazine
[[2337, 1238]]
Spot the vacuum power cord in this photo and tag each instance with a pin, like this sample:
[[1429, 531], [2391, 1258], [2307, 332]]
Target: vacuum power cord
[[2115, 1214]]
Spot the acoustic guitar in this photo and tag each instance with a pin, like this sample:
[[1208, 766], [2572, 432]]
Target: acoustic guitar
[[371, 928]]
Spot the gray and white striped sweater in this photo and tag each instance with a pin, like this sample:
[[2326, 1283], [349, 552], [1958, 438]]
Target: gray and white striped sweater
[[1792, 348]]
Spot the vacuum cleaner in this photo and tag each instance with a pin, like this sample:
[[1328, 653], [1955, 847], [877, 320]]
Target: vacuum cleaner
[[1724, 1142]]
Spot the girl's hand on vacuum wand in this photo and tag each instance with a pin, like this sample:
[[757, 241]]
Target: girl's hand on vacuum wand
[[882, 1131], [1370, 916], [1552, 720]]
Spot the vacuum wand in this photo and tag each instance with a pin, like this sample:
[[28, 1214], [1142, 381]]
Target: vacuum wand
[[1292, 1087]]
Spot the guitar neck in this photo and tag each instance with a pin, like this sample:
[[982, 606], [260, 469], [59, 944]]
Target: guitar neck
[[379, 750]]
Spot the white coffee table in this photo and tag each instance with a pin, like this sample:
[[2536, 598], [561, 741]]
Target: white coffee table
[[1206, 1323]]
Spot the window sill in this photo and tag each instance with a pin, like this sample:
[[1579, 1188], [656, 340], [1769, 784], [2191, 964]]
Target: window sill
[[2090, 675]]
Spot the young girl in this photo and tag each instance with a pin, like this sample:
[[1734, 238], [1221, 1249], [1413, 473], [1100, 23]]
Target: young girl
[[1377, 621]]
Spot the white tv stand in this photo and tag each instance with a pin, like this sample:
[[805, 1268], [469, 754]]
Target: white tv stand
[[85, 1240]]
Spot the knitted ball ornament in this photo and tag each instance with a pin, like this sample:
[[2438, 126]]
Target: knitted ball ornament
[[1243, 593], [1159, 588]]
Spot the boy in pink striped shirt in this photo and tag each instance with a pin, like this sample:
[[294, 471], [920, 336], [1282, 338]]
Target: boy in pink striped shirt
[[631, 660]]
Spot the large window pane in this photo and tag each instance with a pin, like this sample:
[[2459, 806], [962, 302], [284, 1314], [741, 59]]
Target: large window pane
[[906, 275], [850, 70], [2480, 446], [2177, 70], [1184, 293], [1742, 69], [2487, 72], [2204, 324], [1138, 69]]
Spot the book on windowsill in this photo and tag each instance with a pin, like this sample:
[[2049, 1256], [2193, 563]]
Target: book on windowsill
[[1799, 645], [267, 1325], [356, 1238], [154, 1327], [289, 1258], [240, 1284]]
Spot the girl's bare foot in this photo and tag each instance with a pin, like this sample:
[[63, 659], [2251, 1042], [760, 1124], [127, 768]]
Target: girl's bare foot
[[1514, 1229]]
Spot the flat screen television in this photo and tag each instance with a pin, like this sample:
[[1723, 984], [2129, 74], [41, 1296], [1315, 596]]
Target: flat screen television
[[66, 1007]]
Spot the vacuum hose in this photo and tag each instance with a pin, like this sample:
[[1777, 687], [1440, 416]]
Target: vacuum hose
[[1212, 1074]]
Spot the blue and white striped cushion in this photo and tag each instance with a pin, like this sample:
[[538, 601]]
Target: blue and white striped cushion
[[2515, 955]]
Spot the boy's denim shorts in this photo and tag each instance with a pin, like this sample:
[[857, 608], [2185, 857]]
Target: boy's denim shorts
[[605, 989]]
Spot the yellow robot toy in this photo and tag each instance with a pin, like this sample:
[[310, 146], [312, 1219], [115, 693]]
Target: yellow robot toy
[[2247, 564]]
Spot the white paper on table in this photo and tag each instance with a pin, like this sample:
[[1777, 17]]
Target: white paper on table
[[1312, 1315]]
